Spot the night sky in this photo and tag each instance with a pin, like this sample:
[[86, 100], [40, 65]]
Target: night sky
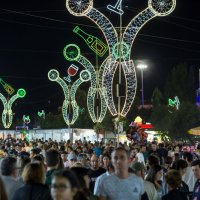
[[34, 33]]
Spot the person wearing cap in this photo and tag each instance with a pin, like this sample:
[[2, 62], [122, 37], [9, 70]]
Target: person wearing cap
[[139, 170], [83, 159], [72, 159]]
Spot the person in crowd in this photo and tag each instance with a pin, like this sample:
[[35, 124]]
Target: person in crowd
[[84, 180], [196, 171], [189, 177], [34, 178], [155, 151], [181, 167], [34, 152], [139, 170], [52, 161], [9, 175], [167, 164], [97, 149], [65, 186], [3, 195], [140, 156], [154, 176], [121, 185], [95, 171], [173, 179], [109, 171], [72, 159], [151, 161], [105, 160], [84, 160]]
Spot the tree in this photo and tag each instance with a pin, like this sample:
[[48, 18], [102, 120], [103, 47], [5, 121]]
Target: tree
[[157, 98]]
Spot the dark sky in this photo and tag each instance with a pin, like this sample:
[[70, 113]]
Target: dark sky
[[34, 33]]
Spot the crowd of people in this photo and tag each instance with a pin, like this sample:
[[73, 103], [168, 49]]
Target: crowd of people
[[51, 170]]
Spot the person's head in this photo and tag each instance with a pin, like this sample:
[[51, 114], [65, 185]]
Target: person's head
[[173, 179], [106, 159], [72, 158], [64, 185], [94, 162], [38, 158], [9, 167], [34, 152], [152, 160], [143, 148], [181, 166], [187, 156], [154, 146], [138, 169], [83, 177], [83, 159], [168, 160], [64, 156], [119, 159], [52, 158], [154, 173], [177, 149], [196, 168], [33, 173]]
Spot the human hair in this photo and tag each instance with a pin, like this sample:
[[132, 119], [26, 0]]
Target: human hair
[[8, 165], [173, 178], [168, 160], [188, 156], [33, 173], [52, 157], [3, 194], [39, 158], [180, 164], [153, 160], [151, 176], [106, 155], [121, 149], [36, 151], [196, 162], [69, 175], [22, 162]]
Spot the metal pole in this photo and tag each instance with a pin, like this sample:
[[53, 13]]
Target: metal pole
[[142, 88]]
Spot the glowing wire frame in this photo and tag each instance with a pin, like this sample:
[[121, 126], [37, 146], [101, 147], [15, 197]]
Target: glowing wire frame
[[26, 119], [155, 8], [117, 8], [7, 114]]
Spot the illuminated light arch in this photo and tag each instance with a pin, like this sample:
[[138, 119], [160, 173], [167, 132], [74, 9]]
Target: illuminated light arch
[[92, 77], [155, 8], [7, 114]]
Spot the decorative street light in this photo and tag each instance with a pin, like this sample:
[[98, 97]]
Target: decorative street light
[[142, 66]]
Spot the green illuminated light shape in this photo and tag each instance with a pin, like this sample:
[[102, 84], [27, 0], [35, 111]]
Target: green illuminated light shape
[[8, 88], [174, 103], [41, 114], [93, 77], [69, 93], [26, 119], [85, 8], [7, 114], [93, 42]]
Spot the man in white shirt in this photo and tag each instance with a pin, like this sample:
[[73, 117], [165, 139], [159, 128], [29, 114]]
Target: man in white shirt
[[121, 185]]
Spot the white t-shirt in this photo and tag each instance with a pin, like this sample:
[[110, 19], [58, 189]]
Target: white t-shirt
[[115, 188]]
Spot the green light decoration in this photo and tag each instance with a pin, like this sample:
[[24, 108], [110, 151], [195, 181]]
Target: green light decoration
[[94, 43], [71, 52], [174, 103], [8, 88], [69, 93], [93, 76], [26, 119], [115, 42], [7, 114], [41, 114]]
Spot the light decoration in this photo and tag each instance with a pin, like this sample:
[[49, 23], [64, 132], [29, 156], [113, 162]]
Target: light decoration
[[41, 114], [94, 43], [7, 114], [117, 8], [26, 119], [115, 42], [174, 104], [89, 74], [8, 88]]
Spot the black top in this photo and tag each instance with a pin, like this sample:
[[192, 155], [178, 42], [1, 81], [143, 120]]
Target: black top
[[174, 195], [94, 174], [33, 192]]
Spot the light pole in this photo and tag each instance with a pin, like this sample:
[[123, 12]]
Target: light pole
[[142, 67]]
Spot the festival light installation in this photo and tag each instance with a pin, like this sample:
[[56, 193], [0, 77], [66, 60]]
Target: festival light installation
[[119, 47], [26, 119], [173, 104], [8, 88], [7, 114], [41, 114]]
